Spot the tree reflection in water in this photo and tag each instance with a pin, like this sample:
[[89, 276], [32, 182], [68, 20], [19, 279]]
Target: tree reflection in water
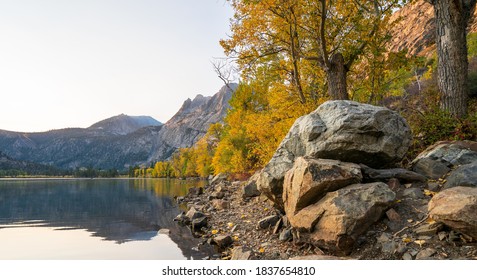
[[119, 210]]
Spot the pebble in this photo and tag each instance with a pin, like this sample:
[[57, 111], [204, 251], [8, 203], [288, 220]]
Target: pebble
[[413, 193], [241, 253], [413, 252], [433, 186], [268, 221], [266, 244], [283, 256], [164, 231], [285, 235], [401, 249], [199, 223], [194, 214], [384, 237], [389, 247], [429, 229], [425, 254], [407, 257], [393, 215], [223, 241]]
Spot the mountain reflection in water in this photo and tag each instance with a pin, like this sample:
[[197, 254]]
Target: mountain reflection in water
[[125, 212]]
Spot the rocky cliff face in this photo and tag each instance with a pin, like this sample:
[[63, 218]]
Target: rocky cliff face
[[120, 141], [191, 122], [416, 31]]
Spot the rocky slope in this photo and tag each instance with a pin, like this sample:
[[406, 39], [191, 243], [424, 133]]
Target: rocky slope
[[120, 141], [415, 32]]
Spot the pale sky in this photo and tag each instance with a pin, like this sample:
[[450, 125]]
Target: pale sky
[[71, 63]]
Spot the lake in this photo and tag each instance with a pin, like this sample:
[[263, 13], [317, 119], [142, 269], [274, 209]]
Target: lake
[[94, 219]]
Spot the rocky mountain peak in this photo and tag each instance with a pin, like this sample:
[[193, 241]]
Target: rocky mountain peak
[[191, 122]]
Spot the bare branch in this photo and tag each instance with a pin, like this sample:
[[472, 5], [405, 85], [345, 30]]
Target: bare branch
[[225, 71]]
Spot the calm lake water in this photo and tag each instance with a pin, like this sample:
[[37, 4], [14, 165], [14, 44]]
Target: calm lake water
[[93, 219]]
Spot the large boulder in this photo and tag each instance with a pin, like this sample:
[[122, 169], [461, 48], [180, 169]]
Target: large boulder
[[438, 159], [338, 219], [457, 208], [465, 175], [341, 130], [310, 179]]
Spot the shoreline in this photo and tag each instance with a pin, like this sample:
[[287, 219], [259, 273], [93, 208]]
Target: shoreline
[[249, 228]]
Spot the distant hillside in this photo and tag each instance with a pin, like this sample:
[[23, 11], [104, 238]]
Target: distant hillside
[[416, 30], [12, 167], [124, 124], [120, 141]]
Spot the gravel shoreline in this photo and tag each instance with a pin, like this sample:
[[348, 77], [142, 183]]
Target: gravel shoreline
[[233, 227]]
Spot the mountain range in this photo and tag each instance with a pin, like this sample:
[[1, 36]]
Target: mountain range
[[120, 141]]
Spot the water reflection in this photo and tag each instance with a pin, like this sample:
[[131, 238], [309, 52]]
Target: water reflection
[[119, 210]]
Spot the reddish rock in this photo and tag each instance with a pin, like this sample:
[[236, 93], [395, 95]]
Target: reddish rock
[[310, 179], [335, 222], [456, 208]]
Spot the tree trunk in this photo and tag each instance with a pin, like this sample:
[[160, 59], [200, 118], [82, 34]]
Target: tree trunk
[[336, 78], [452, 17]]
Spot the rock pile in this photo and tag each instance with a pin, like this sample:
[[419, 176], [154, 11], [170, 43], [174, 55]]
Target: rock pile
[[341, 130], [316, 179], [454, 164]]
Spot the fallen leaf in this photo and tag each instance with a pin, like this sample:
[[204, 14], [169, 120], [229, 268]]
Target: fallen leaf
[[236, 238], [230, 225], [429, 193], [266, 209], [420, 242], [406, 240], [261, 250], [398, 201]]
